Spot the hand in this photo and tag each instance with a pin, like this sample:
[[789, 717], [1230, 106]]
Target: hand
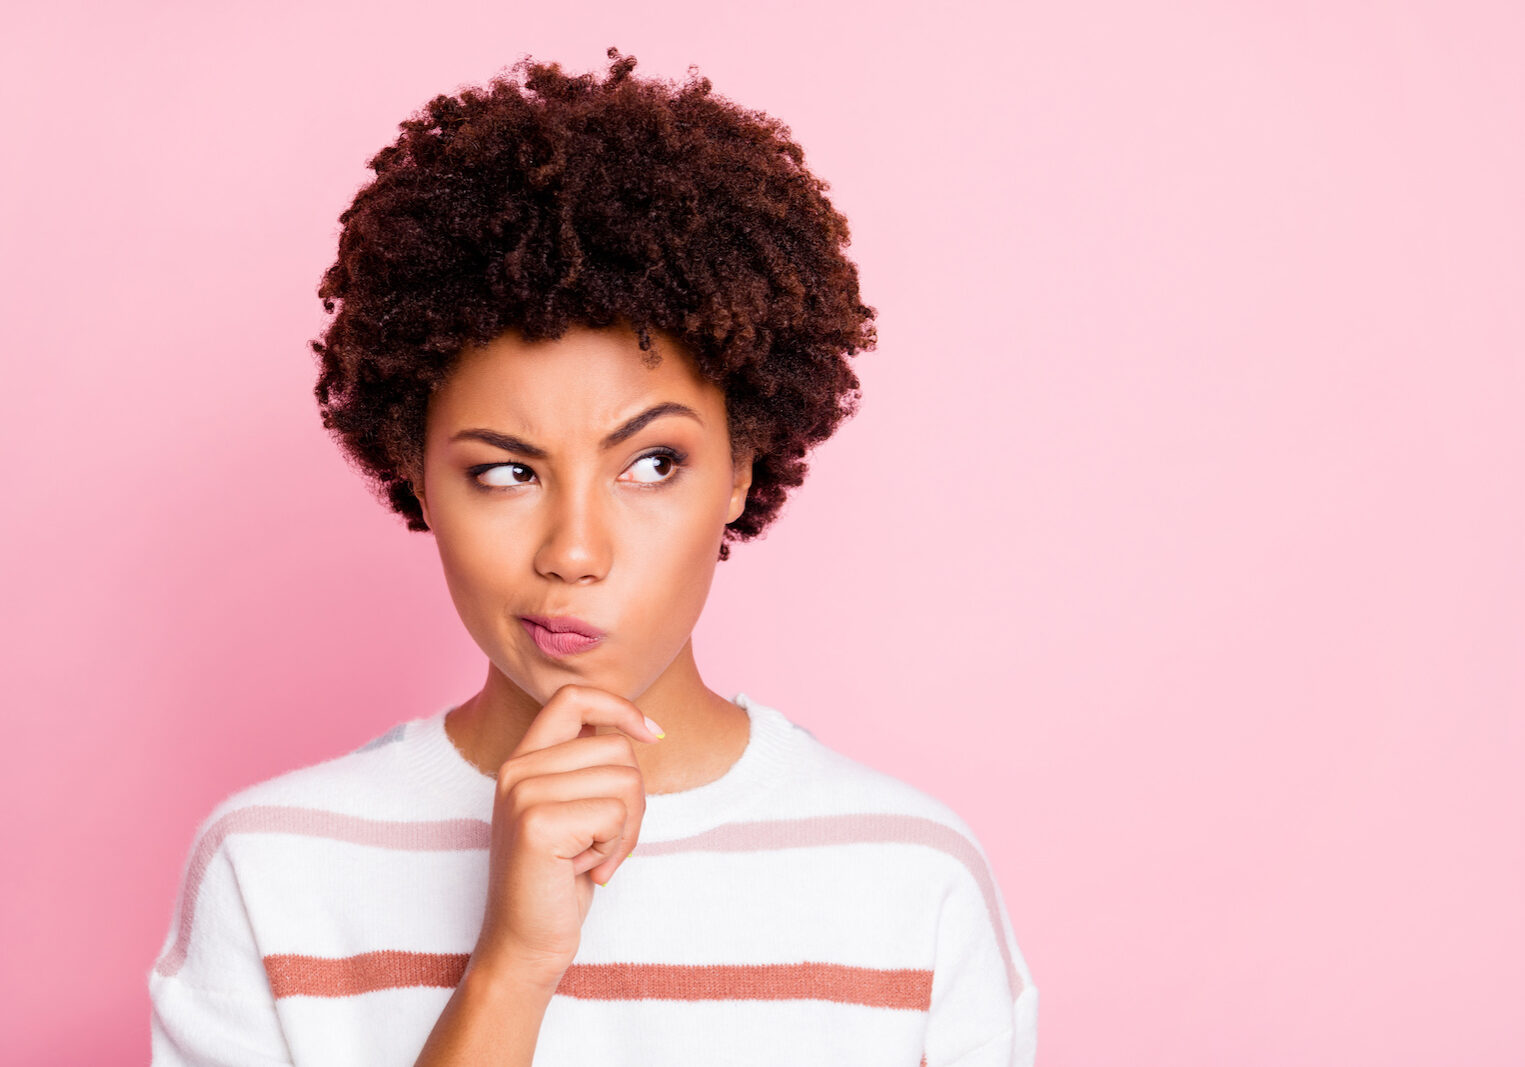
[[568, 813]]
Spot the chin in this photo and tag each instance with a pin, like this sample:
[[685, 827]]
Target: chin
[[542, 682]]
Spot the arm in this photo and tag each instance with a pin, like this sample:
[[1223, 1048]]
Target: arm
[[1009, 1048], [212, 1004], [192, 1027], [210, 999], [568, 804], [493, 1017], [984, 1010]]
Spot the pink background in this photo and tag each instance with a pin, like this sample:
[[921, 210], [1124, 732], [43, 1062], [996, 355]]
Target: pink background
[[1177, 546]]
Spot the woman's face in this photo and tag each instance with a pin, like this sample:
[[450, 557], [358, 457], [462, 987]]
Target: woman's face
[[550, 491]]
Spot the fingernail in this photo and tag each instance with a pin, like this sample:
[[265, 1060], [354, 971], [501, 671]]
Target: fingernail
[[654, 728], [597, 882], [632, 853]]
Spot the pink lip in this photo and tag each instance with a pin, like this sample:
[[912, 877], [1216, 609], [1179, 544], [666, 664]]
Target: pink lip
[[561, 624], [564, 640]]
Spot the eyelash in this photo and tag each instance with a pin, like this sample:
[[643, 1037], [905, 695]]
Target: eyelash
[[679, 462]]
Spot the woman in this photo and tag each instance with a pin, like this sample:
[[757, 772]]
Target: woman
[[589, 330]]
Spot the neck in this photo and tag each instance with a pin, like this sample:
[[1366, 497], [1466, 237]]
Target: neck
[[706, 733]]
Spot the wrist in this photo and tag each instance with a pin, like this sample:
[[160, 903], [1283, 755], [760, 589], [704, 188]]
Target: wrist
[[504, 974]]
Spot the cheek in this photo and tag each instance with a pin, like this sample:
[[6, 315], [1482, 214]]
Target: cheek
[[676, 563], [476, 567]]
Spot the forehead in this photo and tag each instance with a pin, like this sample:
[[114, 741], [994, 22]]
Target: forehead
[[586, 379]]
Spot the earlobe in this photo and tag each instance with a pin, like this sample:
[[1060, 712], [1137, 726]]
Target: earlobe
[[415, 482], [739, 489]]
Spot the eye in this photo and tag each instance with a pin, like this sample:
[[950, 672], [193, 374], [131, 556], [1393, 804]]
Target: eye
[[664, 463], [498, 475]]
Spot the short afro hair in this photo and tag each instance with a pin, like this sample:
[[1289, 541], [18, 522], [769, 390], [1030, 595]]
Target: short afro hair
[[569, 200]]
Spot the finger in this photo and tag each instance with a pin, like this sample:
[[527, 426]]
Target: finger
[[626, 844], [574, 707], [602, 861], [614, 750], [621, 782], [622, 850], [591, 829], [600, 780], [596, 859]]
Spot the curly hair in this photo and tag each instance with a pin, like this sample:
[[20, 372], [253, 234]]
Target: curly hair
[[570, 200]]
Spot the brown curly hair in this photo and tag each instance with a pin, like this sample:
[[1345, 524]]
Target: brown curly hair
[[574, 201]]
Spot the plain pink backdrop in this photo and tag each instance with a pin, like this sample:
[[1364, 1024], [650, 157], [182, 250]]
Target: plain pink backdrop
[[1178, 544]]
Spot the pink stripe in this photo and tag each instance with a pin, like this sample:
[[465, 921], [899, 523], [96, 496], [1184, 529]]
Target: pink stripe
[[349, 976], [453, 834], [442, 835], [851, 829]]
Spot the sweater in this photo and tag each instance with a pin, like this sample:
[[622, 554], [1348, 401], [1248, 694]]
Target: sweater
[[801, 909]]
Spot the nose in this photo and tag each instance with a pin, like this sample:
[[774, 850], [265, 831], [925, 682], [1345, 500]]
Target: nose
[[574, 542]]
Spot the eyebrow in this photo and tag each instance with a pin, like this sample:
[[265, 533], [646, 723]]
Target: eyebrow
[[509, 443]]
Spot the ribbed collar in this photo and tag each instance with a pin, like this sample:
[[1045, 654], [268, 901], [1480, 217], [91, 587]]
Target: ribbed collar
[[770, 757]]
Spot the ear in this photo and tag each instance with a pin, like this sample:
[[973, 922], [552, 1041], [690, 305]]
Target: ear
[[415, 477], [739, 488]]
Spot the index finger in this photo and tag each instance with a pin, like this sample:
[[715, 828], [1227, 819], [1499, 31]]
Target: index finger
[[574, 710]]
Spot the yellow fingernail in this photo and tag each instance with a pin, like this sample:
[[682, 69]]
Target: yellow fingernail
[[631, 854]]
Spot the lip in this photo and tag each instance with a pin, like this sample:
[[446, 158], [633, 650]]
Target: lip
[[563, 642], [565, 624]]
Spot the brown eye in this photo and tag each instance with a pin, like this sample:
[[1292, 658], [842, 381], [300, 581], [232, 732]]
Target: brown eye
[[663, 465], [502, 474], [658, 465]]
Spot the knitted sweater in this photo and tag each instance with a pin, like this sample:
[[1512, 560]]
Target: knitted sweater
[[801, 909]]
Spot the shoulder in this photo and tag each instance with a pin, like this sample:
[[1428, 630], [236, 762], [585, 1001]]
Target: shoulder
[[980, 972], [832, 778], [282, 823], [353, 783], [844, 795], [851, 802]]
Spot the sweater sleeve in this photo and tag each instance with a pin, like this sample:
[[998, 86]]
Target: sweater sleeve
[[210, 999], [984, 1008]]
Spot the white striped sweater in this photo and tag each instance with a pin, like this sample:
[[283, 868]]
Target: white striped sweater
[[802, 909]]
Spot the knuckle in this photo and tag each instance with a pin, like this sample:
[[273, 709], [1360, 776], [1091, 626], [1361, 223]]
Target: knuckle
[[516, 795], [533, 821], [507, 777], [618, 748]]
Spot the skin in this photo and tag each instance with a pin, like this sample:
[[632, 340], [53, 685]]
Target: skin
[[613, 537]]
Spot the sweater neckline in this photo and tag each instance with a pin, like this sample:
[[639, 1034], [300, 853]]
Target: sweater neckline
[[769, 757]]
